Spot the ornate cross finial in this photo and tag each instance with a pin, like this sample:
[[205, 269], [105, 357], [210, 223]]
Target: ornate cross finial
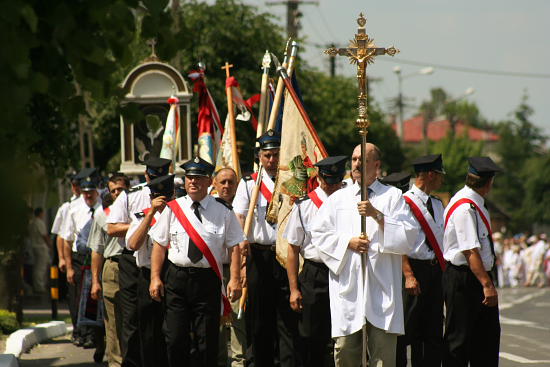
[[152, 43], [227, 66]]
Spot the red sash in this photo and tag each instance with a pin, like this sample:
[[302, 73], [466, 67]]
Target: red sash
[[201, 244], [147, 210], [263, 188], [107, 211], [315, 198], [432, 241], [469, 201]]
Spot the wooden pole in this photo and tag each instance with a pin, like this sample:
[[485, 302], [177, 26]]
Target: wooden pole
[[231, 113]]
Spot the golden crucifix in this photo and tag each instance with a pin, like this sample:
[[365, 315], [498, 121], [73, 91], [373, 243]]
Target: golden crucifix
[[362, 51]]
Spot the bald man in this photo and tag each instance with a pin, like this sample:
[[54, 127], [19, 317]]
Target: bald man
[[225, 183], [365, 274]]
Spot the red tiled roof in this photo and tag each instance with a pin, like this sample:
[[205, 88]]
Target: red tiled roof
[[437, 130]]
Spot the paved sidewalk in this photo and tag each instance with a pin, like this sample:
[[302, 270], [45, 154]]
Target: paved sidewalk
[[58, 352]]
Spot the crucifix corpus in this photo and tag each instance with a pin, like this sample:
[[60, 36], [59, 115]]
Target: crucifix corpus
[[362, 51]]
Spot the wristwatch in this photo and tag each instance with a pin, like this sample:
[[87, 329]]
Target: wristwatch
[[379, 216]]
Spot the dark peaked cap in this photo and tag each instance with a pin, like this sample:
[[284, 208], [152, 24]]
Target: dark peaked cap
[[427, 163], [332, 169], [198, 167], [483, 166], [85, 173], [157, 166], [270, 140], [163, 185], [398, 179]]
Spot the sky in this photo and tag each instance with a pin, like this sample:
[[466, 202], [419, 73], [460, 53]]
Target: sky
[[499, 35]]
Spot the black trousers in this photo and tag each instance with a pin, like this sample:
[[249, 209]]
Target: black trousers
[[314, 321], [472, 330], [272, 326], [193, 306], [128, 275], [423, 317], [73, 298], [150, 318]]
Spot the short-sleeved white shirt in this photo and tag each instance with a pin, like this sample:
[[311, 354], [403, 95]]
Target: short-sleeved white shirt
[[224, 231], [143, 255], [421, 250], [77, 217], [128, 203], [466, 230], [297, 230], [261, 232]]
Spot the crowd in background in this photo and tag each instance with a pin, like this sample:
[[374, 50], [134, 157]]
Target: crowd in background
[[523, 260]]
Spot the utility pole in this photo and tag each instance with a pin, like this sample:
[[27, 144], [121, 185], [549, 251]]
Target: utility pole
[[332, 60], [293, 14]]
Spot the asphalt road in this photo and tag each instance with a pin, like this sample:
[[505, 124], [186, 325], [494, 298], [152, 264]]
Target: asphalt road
[[525, 337]]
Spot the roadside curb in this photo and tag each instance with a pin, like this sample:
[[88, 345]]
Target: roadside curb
[[23, 339]]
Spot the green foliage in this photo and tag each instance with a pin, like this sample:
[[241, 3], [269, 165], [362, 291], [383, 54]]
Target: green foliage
[[455, 151], [8, 322], [521, 151]]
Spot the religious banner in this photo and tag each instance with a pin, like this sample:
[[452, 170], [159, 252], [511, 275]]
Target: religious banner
[[171, 131], [210, 130], [296, 175]]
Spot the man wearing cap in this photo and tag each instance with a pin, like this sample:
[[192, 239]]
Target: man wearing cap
[[134, 201], [401, 180], [79, 214], [106, 253], [472, 327], [309, 294], [422, 269], [149, 312], [268, 315], [365, 276], [191, 236]]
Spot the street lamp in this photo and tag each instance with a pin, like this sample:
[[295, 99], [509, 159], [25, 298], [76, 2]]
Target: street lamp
[[397, 70], [452, 116]]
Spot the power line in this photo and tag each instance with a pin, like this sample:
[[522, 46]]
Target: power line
[[467, 69]]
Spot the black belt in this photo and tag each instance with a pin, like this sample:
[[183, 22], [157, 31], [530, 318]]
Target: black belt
[[127, 252], [190, 269], [458, 267], [262, 247], [320, 266], [115, 258], [432, 262]]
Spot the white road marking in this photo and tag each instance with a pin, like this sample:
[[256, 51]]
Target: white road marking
[[519, 359], [515, 322], [526, 298]]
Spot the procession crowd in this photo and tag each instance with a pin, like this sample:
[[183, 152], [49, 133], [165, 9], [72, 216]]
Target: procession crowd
[[162, 273]]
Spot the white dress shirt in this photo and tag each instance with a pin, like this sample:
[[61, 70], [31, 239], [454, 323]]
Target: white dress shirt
[[143, 255], [79, 214], [298, 228], [261, 232], [221, 231], [421, 250], [372, 292], [466, 230], [128, 203]]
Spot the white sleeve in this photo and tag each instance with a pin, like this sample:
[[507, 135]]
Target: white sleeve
[[332, 245], [119, 210], [68, 227], [401, 229], [96, 240], [233, 231], [160, 232], [59, 216], [242, 198], [464, 220], [294, 232]]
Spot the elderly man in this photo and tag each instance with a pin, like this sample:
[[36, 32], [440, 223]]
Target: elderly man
[[309, 294], [225, 185], [365, 273], [422, 269], [472, 327], [198, 229]]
